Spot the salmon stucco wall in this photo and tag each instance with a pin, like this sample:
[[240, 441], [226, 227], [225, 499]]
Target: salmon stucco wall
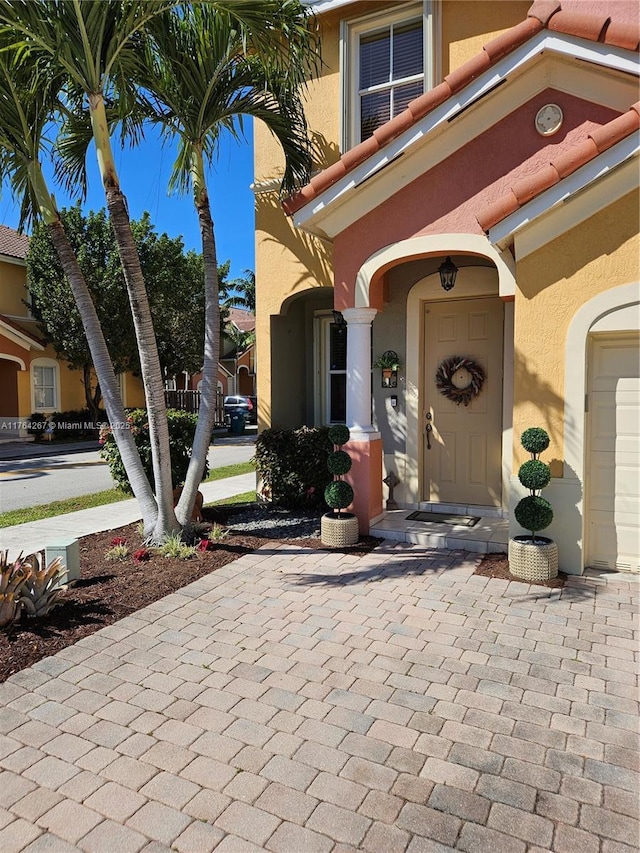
[[446, 199], [552, 284]]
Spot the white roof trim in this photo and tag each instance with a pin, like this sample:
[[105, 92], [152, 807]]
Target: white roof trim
[[564, 190], [11, 259], [20, 338], [567, 46], [319, 7]]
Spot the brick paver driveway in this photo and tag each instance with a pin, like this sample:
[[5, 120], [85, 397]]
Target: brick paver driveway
[[300, 702]]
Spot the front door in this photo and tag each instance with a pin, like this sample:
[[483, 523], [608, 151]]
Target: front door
[[462, 452]]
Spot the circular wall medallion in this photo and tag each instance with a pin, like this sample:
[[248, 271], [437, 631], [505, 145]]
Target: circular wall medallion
[[549, 119]]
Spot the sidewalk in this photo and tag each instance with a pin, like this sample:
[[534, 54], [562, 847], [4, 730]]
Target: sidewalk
[[37, 534]]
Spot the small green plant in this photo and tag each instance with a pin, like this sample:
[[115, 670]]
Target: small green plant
[[117, 553], [338, 494], [292, 465], [388, 361], [173, 546], [218, 533], [533, 512]]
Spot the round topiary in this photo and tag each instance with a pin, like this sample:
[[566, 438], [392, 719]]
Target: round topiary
[[338, 494], [339, 462], [339, 434], [535, 440], [534, 475], [534, 513]]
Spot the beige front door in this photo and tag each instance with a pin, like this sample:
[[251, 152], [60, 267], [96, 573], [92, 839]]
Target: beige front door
[[463, 463]]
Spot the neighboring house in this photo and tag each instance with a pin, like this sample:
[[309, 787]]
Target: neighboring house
[[33, 380], [503, 136]]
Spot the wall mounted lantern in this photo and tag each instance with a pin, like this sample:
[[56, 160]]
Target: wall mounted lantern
[[448, 272]]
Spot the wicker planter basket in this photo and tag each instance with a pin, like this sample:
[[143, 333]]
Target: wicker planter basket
[[339, 531], [533, 561]]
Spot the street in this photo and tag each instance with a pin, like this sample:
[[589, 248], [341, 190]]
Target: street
[[41, 479]]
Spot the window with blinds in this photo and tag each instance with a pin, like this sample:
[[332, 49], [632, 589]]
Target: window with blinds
[[387, 62], [391, 73]]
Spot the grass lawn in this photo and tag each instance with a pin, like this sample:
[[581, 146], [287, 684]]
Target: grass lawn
[[109, 496]]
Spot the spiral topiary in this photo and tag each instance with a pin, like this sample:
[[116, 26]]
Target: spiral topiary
[[338, 494], [533, 512]]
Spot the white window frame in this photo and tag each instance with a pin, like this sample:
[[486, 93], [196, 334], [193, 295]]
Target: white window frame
[[322, 403], [350, 33], [45, 362]]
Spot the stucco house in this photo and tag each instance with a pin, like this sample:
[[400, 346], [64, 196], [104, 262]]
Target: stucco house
[[497, 142], [33, 380]]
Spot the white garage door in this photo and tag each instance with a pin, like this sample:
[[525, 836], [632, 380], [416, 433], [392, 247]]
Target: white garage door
[[612, 477]]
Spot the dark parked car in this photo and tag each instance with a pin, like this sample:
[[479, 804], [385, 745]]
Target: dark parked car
[[238, 403]]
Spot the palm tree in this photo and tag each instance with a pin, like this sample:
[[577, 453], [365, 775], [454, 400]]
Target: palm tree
[[245, 291], [205, 70], [95, 50], [26, 106]]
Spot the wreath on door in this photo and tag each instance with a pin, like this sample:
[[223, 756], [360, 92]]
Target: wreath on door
[[459, 379]]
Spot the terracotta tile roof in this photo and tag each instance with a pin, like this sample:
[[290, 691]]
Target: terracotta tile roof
[[13, 244], [243, 319], [525, 189], [542, 14], [18, 328]]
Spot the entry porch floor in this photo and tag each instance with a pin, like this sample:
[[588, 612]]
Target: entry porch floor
[[490, 535]]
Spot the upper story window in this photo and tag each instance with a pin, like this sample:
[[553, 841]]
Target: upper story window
[[387, 61]]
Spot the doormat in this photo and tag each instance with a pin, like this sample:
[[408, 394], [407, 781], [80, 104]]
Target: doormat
[[440, 518]]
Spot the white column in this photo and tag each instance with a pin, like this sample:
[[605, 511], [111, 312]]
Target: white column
[[359, 369]]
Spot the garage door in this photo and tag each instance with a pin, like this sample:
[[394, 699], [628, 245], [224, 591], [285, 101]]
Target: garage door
[[612, 477]]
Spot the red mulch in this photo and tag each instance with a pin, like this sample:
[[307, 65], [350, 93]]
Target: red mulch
[[497, 566]]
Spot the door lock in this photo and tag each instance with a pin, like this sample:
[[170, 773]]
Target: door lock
[[429, 430]]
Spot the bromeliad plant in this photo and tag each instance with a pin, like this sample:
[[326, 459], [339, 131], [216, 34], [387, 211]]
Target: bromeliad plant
[[338, 494], [27, 584], [534, 513]]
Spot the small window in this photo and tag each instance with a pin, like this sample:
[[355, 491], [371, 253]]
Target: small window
[[387, 61], [45, 385]]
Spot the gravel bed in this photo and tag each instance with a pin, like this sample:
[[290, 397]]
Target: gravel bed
[[276, 523]]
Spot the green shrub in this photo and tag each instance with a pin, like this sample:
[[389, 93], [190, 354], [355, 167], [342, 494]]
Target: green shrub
[[173, 546], [338, 494], [533, 512], [535, 440], [339, 462], [534, 475], [292, 464], [182, 427]]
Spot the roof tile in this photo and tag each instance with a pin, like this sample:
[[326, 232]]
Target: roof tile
[[626, 36], [394, 128], [462, 76], [580, 24], [329, 176], [613, 131], [544, 10], [577, 156], [429, 101], [526, 188], [497, 210], [13, 244], [508, 41], [359, 153]]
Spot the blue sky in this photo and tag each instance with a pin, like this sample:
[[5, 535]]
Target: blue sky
[[144, 176]]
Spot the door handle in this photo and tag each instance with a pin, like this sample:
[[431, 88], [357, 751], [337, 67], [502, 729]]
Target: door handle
[[429, 430]]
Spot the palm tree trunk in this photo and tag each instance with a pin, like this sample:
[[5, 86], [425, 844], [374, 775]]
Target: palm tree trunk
[[106, 377], [206, 412], [150, 368]]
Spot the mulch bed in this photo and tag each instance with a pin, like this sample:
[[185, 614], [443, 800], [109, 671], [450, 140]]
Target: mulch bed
[[110, 590], [497, 566]]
